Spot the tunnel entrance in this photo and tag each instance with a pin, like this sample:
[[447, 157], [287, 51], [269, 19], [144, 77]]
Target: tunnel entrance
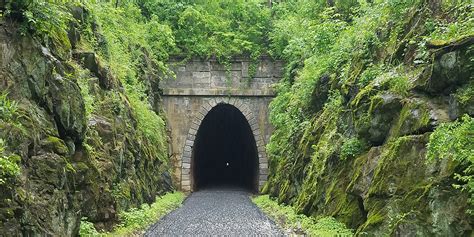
[[225, 152]]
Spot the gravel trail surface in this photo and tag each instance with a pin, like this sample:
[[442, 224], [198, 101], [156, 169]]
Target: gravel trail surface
[[228, 212]]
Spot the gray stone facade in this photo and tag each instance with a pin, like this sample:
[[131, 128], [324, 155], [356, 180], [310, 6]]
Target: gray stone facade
[[202, 84]]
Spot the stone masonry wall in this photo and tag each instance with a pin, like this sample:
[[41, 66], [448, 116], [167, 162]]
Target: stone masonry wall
[[202, 84]]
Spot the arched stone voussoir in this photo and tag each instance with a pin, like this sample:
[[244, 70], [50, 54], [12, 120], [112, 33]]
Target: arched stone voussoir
[[232, 101], [213, 102]]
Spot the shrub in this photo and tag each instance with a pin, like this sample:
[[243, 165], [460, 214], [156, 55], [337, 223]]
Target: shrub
[[455, 141], [287, 217], [87, 228], [8, 108], [137, 219], [9, 165], [351, 148]]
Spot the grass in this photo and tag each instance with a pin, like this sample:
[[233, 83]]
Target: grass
[[299, 224], [134, 221]]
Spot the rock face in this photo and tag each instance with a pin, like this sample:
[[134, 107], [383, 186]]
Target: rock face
[[73, 164], [389, 188], [89, 61]]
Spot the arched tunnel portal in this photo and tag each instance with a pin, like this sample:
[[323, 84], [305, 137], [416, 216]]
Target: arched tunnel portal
[[225, 151]]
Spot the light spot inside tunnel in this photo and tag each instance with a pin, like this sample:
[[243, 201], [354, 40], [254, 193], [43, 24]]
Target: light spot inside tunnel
[[225, 151]]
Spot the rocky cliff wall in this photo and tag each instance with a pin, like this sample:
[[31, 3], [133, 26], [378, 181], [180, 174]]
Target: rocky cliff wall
[[73, 162], [361, 156]]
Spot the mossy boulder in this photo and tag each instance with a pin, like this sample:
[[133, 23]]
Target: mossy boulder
[[374, 126], [364, 168], [419, 115], [399, 200], [451, 67], [55, 145]]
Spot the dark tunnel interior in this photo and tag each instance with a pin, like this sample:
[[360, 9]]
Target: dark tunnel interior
[[225, 152]]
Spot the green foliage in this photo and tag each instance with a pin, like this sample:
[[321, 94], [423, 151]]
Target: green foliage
[[149, 123], [465, 95], [138, 219], [87, 228], [48, 19], [130, 37], [351, 148], [460, 24], [84, 81], [455, 141], [9, 165], [131, 40], [221, 29], [369, 75], [288, 218], [141, 218], [8, 108]]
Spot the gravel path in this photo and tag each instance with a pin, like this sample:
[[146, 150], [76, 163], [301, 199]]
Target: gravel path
[[216, 212]]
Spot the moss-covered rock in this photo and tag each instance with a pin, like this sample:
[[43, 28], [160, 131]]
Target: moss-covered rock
[[462, 101], [90, 61], [54, 144], [388, 187], [74, 163], [400, 198], [451, 67], [375, 125]]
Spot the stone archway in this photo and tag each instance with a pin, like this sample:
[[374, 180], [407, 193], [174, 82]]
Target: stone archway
[[186, 158]]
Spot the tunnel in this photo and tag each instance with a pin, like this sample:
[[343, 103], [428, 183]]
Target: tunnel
[[225, 152]]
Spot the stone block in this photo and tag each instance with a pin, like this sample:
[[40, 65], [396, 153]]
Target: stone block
[[185, 178], [189, 143], [199, 116], [201, 77], [198, 66], [213, 103], [203, 111], [194, 126], [252, 121], [238, 103], [264, 69], [186, 160], [245, 69], [256, 131], [187, 149], [192, 134], [186, 188], [232, 100], [201, 86], [185, 183], [254, 128], [234, 66], [187, 154]]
